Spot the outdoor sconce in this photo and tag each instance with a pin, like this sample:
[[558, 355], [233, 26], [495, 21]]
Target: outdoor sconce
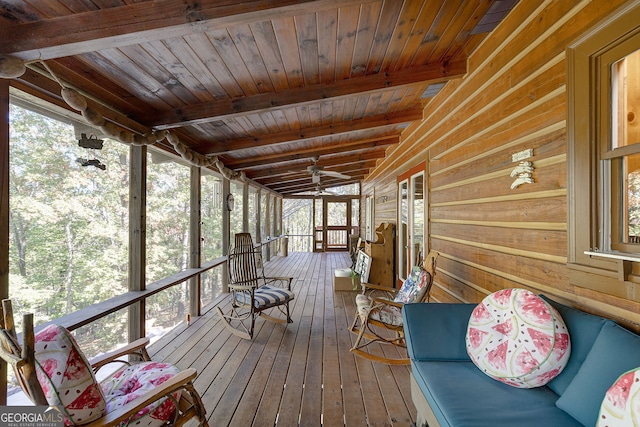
[[230, 202]]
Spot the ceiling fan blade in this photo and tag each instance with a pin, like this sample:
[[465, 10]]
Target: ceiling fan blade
[[334, 174]]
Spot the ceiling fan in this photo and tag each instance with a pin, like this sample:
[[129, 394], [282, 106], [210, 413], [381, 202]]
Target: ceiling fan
[[322, 192], [317, 171]]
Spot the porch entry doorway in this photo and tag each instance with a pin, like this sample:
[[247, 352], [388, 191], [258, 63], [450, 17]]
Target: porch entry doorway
[[411, 220], [333, 219]]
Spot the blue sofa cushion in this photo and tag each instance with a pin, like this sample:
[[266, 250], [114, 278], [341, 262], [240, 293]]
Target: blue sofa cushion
[[583, 331], [436, 331], [461, 395], [615, 351]]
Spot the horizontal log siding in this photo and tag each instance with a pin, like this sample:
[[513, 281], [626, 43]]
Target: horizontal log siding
[[514, 98]]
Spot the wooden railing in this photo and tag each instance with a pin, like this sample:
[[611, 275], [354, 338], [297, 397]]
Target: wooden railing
[[99, 310]]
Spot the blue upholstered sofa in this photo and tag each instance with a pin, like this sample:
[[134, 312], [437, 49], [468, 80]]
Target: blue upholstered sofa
[[449, 390]]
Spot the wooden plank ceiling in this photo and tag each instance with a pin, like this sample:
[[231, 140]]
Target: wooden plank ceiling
[[267, 86]]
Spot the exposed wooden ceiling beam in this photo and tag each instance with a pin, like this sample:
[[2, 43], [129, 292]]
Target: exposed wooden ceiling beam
[[248, 163], [331, 129], [265, 102], [136, 23]]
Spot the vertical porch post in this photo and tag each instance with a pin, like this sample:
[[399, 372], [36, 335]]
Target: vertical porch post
[[226, 230], [4, 214], [137, 237], [259, 208], [245, 207], [268, 225], [195, 243]]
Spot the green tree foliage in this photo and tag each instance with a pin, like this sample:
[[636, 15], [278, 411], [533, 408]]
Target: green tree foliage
[[68, 223]]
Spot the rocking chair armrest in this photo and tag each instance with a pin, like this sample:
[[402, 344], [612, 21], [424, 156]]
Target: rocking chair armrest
[[133, 407], [387, 302], [371, 286], [138, 347], [277, 279], [242, 287]]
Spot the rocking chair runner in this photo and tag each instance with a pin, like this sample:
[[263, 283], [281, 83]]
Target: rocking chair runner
[[251, 292], [52, 371], [379, 318]]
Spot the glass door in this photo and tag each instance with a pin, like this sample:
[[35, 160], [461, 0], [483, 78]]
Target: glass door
[[403, 229], [411, 220]]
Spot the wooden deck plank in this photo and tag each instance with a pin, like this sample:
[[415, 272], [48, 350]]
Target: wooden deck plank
[[355, 415], [269, 406], [297, 374], [289, 411], [332, 406], [311, 410]]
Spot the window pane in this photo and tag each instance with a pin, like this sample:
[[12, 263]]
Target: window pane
[[253, 213], [631, 222], [211, 212], [417, 224], [403, 233], [297, 223], [355, 216], [263, 216], [626, 101], [236, 215], [68, 245], [168, 209]]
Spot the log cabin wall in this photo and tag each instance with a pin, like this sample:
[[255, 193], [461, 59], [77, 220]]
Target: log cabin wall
[[513, 98]]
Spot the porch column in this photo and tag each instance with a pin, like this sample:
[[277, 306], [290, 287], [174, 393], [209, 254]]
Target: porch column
[[4, 214], [226, 230], [268, 225], [195, 243], [245, 207], [259, 208], [137, 237]]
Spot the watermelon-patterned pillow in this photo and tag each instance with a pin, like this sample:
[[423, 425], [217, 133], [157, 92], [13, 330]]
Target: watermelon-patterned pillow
[[621, 404], [66, 377], [517, 338]]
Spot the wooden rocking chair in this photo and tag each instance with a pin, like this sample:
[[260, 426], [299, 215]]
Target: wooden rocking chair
[[163, 394], [378, 317], [251, 292]]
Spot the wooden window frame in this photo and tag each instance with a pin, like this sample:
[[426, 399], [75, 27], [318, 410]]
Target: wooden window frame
[[591, 161]]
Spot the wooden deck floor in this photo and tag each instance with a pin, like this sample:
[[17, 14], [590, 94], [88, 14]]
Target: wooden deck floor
[[296, 374]]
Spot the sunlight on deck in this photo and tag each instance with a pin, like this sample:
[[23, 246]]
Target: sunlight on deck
[[296, 374]]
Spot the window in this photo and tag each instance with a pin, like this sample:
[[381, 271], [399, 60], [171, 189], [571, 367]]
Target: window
[[237, 189], [168, 210], [623, 155], [68, 241], [604, 142]]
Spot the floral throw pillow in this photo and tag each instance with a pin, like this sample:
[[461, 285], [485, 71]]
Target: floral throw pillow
[[621, 404], [516, 337], [66, 377], [414, 287], [132, 382]]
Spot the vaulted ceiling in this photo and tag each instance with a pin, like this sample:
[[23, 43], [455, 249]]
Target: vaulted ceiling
[[269, 87]]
